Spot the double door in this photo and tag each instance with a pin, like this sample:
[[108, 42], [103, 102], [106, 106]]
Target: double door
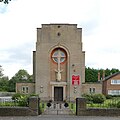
[[58, 93]]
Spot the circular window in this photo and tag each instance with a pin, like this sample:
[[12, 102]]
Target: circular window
[[59, 56]]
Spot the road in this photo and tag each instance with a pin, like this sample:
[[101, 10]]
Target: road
[[60, 117]]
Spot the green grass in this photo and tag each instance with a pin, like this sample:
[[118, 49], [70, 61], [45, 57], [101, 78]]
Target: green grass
[[43, 107], [9, 104], [108, 103], [72, 107]]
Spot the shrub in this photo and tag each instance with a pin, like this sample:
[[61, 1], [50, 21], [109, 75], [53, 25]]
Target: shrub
[[112, 105], [118, 104], [116, 95], [109, 96], [98, 98], [16, 96], [21, 99], [88, 97]]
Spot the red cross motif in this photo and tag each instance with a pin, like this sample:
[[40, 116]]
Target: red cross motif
[[75, 79]]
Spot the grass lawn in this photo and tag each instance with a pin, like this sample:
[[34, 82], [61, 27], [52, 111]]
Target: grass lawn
[[108, 103]]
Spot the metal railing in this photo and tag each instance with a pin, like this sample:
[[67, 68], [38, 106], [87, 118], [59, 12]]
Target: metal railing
[[109, 103], [7, 101], [50, 104]]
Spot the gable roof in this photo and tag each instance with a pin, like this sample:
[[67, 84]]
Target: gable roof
[[110, 76]]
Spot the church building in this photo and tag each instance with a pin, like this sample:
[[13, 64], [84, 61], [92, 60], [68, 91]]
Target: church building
[[58, 63]]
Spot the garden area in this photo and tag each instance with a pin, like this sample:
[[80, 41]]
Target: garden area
[[101, 101], [16, 100], [98, 101]]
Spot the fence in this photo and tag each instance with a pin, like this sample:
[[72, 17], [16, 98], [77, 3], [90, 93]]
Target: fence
[[82, 110], [2, 94], [109, 103], [31, 110], [7, 101], [46, 103]]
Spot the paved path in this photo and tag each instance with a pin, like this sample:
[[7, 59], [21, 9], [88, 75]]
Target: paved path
[[58, 109], [60, 117]]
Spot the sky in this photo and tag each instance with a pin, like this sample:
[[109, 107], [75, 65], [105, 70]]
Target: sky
[[99, 20]]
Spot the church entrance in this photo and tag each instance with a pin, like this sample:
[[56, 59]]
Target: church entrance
[[58, 93]]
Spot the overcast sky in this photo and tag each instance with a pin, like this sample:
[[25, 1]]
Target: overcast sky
[[99, 19]]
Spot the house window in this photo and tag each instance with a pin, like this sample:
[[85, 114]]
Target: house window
[[113, 92], [92, 90], [25, 89], [115, 82]]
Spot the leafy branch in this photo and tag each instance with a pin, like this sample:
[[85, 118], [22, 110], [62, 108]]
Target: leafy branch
[[5, 1]]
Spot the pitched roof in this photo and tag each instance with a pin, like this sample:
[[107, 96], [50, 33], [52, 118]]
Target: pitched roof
[[110, 76]]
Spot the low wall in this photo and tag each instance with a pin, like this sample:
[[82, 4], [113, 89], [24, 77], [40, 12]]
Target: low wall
[[16, 111], [81, 110], [99, 112], [32, 110]]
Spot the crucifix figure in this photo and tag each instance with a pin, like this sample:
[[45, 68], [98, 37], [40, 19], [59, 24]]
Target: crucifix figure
[[58, 56]]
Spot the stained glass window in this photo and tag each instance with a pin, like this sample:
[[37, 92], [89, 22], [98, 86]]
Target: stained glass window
[[58, 56]]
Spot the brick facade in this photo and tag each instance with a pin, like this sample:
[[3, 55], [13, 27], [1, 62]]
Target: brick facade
[[30, 86], [89, 88], [109, 86]]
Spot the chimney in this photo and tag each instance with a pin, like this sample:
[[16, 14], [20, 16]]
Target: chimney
[[103, 75], [98, 76]]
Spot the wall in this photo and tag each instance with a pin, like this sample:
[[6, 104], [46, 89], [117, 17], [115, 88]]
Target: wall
[[81, 110], [31, 87], [32, 110], [86, 87]]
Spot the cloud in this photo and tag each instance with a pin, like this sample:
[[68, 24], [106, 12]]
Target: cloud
[[19, 54], [99, 20]]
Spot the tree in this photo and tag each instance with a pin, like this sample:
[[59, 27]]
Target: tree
[[20, 76], [1, 70], [4, 84], [91, 74], [5, 1], [3, 81]]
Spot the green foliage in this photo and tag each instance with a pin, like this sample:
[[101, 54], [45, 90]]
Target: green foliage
[[109, 97], [94, 98], [88, 97], [21, 99], [5, 1], [112, 105], [20, 76], [42, 107], [16, 96], [1, 70], [91, 74], [4, 84], [118, 104], [98, 98]]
